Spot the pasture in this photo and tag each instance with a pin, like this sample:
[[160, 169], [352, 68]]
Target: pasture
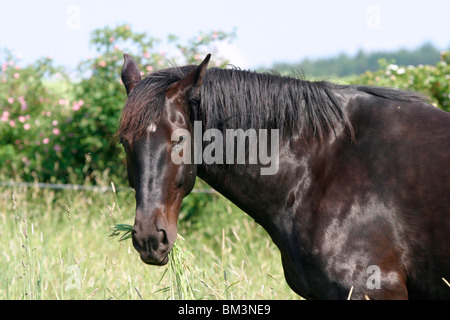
[[56, 244]]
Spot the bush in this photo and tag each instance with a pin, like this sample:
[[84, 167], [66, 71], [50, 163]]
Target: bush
[[30, 125], [432, 81], [59, 130]]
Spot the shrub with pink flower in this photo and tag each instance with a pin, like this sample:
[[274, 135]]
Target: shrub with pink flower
[[26, 101]]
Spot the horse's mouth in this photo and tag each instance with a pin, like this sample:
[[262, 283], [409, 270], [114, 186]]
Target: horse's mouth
[[155, 261]]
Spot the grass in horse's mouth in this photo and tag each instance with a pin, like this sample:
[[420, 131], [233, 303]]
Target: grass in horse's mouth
[[179, 264]]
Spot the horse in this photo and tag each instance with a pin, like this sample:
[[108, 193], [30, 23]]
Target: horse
[[358, 204]]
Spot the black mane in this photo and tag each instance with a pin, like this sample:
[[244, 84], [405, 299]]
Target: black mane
[[233, 98]]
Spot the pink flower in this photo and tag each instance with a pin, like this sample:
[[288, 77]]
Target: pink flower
[[22, 119], [55, 122], [26, 126], [46, 141], [102, 63], [62, 102], [5, 116], [12, 123], [23, 103], [16, 75], [25, 161], [149, 68], [146, 54], [56, 131], [76, 106], [11, 100], [57, 148]]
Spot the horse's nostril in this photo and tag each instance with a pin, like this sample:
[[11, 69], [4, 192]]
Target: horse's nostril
[[164, 239], [162, 235]]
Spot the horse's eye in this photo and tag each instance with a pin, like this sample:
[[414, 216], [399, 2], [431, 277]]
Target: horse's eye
[[179, 144]]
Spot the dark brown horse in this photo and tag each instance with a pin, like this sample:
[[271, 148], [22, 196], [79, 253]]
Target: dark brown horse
[[359, 198]]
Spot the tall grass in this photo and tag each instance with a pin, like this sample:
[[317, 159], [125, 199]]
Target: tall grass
[[56, 245]]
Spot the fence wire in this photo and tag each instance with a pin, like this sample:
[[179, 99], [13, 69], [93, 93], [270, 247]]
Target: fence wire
[[76, 187]]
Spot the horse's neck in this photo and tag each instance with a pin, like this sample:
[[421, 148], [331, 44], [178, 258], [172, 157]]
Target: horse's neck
[[261, 196], [242, 186]]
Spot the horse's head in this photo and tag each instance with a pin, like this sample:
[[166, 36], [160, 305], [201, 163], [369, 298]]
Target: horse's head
[[160, 183]]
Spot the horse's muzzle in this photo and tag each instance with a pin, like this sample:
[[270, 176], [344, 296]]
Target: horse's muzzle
[[152, 243]]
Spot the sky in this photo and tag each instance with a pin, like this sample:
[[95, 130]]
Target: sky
[[266, 31]]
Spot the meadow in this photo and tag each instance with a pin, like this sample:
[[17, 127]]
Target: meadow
[[57, 244]]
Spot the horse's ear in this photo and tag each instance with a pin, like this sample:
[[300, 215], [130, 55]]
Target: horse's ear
[[192, 82], [130, 73]]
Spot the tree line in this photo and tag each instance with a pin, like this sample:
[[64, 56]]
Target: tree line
[[345, 65]]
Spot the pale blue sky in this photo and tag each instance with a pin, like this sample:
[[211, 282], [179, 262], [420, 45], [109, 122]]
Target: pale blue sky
[[267, 30]]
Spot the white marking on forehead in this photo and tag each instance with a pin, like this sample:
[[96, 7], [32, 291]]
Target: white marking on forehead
[[151, 128]]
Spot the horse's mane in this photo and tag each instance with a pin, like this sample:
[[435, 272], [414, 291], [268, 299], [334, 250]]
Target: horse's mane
[[234, 98], [146, 101]]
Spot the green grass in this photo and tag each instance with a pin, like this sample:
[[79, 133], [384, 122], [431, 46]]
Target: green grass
[[57, 245]]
